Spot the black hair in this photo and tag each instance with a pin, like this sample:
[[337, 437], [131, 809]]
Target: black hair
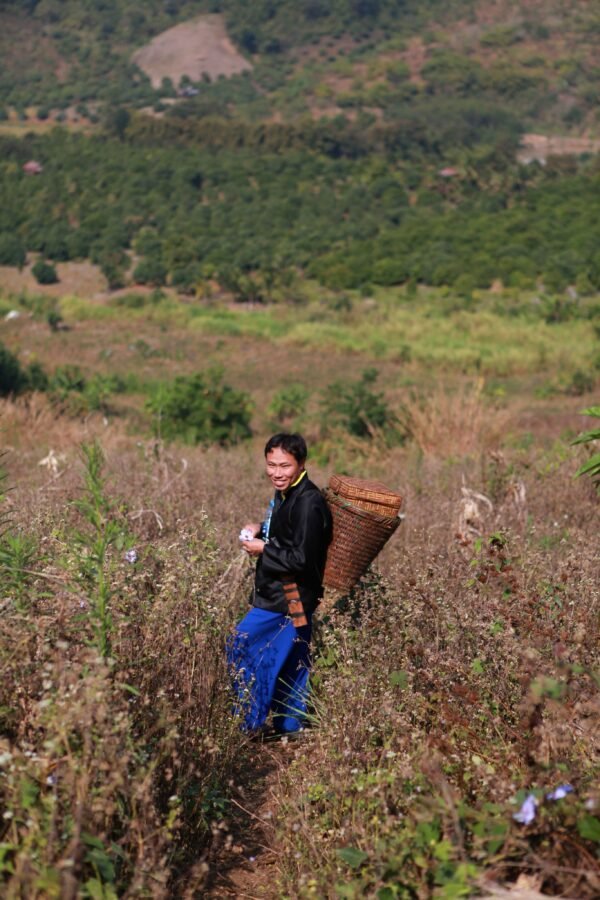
[[291, 443]]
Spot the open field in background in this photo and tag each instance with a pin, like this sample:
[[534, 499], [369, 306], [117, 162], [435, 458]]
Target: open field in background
[[192, 49], [426, 351], [463, 673], [492, 334]]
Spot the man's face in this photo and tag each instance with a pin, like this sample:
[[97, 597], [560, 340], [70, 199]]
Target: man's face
[[282, 468]]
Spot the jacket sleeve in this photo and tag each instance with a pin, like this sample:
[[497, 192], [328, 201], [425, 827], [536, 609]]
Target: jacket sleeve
[[302, 558]]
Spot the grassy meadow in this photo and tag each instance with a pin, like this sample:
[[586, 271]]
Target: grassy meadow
[[460, 677]]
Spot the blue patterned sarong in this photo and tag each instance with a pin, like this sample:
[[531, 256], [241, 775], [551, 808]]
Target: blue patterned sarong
[[270, 660]]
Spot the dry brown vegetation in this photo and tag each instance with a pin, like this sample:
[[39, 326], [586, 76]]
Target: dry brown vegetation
[[460, 676], [82, 279]]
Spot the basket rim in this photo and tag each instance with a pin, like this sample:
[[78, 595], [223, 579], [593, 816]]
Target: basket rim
[[334, 498], [357, 487]]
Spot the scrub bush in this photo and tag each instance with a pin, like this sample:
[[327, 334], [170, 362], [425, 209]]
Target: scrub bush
[[200, 409], [287, 405], [14, 379], [44, 272], [12, 251], [113, 768], [77, 395], [12, 376], [357, 408]]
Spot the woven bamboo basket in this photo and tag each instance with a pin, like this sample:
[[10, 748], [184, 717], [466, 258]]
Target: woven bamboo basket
[[371, 495], [358, 536]]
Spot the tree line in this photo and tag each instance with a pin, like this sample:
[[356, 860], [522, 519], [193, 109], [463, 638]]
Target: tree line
[[227, 207]]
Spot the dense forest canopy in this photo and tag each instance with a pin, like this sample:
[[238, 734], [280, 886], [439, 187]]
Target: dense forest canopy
[[372, 143], [349, 221]]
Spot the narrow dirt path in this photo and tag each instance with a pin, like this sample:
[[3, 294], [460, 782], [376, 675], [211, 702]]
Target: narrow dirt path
[[245, 865]]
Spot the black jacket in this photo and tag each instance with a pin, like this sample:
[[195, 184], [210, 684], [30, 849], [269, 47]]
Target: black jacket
[[299, 535]]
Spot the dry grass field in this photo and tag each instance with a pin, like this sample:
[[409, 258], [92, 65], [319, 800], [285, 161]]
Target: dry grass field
[[459, 678], [80, 278]]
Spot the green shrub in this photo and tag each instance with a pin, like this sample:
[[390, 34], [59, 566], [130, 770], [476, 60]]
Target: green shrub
[[12, 376], [54, 319], [66, 379], [200, 408], [288, 404], [592, 466], [12, 251], [44, 272], [580, 383], [357, 408], [14, 379], [79, 395], [37, 379], [150, 271]]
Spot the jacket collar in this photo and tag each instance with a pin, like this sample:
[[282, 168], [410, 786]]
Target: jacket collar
[[299, 480]]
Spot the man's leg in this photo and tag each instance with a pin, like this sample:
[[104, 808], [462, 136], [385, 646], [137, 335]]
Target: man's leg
[[257, 652], [290, 698]]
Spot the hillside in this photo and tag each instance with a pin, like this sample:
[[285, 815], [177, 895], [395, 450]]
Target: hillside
[[374, 222], [351, 57], [190, 51], [456, 683]]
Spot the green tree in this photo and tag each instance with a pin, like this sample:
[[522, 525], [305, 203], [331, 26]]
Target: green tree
[[12, 376], [356, 407], [150, 270], [200, 409], [44, 272], [116, 121], [12, 251]]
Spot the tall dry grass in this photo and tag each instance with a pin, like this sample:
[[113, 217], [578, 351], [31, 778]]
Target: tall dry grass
[[31, 425], [115, 768], [462, 674], [454, 683], [455, 421]]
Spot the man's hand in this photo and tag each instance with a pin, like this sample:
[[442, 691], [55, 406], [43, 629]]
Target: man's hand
[[254, 547]]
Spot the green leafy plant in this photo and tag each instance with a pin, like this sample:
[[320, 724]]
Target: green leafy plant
[[592, 466], [357, 408], [12, 376], [16, 554], [201, 408], [94, 543], [79, 395], [15, 379], [4, 516], [54, 319], [288, 404], [44, 272]]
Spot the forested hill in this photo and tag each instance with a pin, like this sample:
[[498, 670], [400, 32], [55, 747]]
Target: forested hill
[[310, 57], [359, 142]]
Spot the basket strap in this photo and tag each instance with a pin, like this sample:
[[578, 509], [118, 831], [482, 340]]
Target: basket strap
[[294, 604]]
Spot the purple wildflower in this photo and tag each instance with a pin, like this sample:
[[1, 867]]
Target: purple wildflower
[[131, 556], [560, 792], [527, 813]]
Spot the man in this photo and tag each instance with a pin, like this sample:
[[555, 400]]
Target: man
[[270, 650]]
